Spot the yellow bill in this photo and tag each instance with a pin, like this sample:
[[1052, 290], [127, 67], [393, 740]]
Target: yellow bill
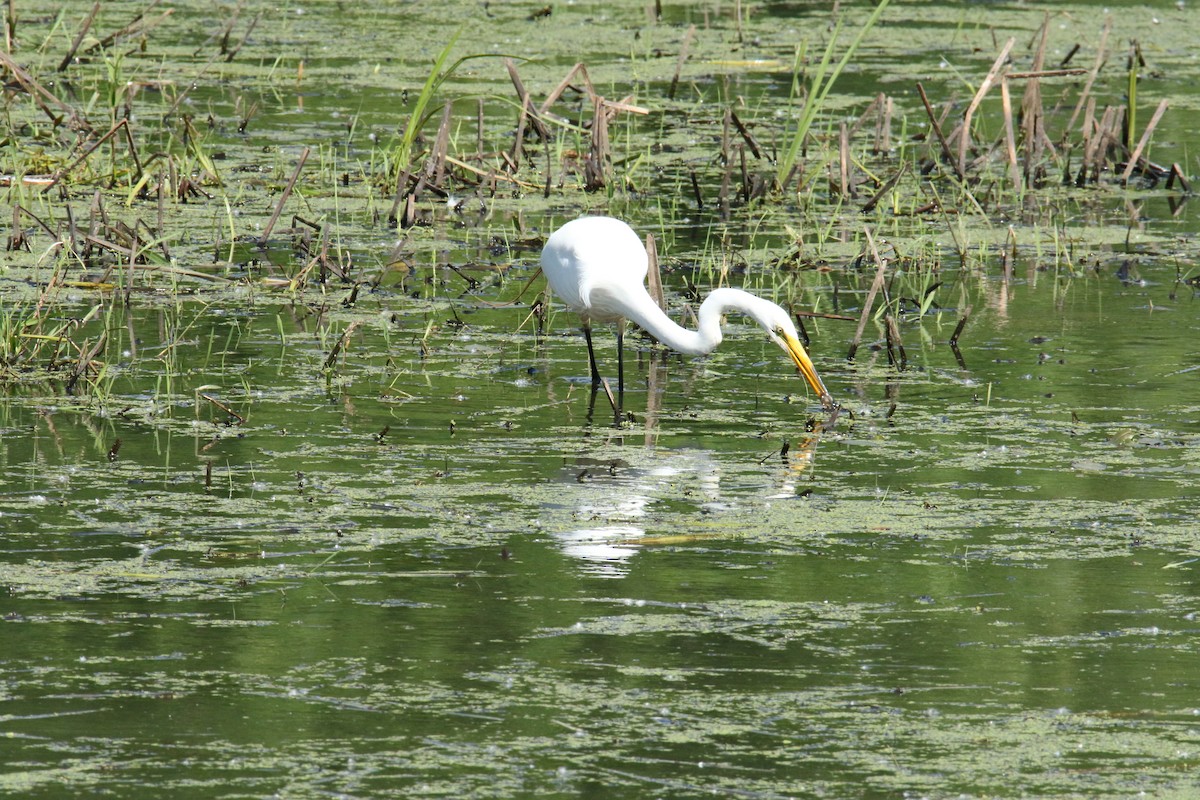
[[805, 365]]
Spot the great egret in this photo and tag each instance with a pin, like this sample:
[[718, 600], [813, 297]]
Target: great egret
[[598, 265]]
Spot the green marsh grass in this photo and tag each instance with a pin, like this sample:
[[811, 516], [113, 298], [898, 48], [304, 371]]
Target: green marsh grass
[[817, 91]]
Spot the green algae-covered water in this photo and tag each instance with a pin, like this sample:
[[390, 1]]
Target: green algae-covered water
[[372, 536]]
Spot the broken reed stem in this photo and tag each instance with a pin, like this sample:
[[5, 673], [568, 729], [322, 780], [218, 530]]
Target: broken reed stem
[[245, 37], [84, 362], [596, 166], [844, 161], [341, 343], [727, 166], [964, 139], [1092, 74], [962, 323], [1010, 136], [87, 24], [1177, 174], [525, 99], [134, 249], [894, 345], [887, 187], [1033, 112], [435, 168], [1145, 140], [62, 173], [1045, 73], [883, 124], [579, 69], [653, 276], [137, 24], [744, 132], [937, 129], [513, 161], [683, 54], [42, 96], [287, 191], [241, 420], [876, 285]]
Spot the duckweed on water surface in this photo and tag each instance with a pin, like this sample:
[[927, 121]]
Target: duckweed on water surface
[[293, 504]]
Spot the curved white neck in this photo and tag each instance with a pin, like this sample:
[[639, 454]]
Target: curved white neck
[[644, 312]]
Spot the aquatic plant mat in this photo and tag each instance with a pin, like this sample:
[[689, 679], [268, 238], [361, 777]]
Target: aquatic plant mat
[[304, 491]]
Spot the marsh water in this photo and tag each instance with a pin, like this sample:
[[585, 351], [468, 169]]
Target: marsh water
[[376, 537]]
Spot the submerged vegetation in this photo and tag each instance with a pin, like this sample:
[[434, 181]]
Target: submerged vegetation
[[290, 435], [135, 177]]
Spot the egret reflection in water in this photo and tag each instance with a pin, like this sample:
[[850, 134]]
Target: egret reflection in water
[[618, 508]]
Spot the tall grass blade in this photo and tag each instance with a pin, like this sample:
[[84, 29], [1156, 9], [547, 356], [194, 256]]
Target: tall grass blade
[[820, 89]]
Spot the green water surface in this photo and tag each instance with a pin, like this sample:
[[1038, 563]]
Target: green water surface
[[432, 565]]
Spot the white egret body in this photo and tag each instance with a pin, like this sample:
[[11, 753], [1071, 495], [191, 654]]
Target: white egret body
[[598, 266]]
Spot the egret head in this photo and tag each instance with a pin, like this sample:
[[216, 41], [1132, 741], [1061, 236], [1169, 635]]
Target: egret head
[[782, 331]]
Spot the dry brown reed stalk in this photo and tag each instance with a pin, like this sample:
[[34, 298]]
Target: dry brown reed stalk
[[958, 329], [579, 69], [435, 164], [18, 211], [83, 364], [232, 54], [78, 40], [683, 54], [1101, 56], [596, 166], [139, 25], [1145, 140], [869, 302], [526, 101], [937, 130], [1177, 174], [872, 106], [883, 124], [823, 315], [17, 240], [696, 190], [653, 276], [964, 140], [341, 343], [727, 166], [192, 84], [512, 160], [135, 251], [226, 32], [400, 196], [1033, 113], [745, 174], [883, 190], [287, 191], [1010, 136], [1009, 255], [844, 162], [744, 132], [43, 97], [1104, 136], [894, 344], [487, 175]]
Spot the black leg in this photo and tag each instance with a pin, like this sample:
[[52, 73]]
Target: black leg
[[597, 381], [620, 367], [587, 335]]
